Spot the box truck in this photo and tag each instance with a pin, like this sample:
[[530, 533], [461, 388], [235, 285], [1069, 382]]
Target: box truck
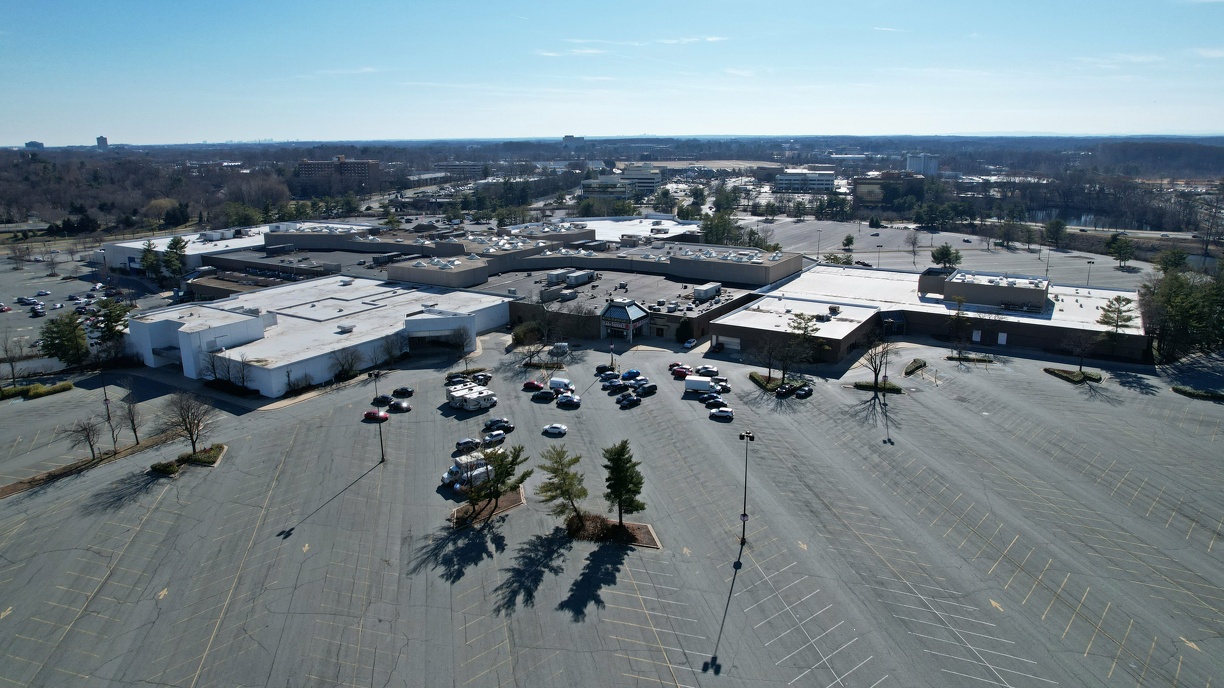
[[699, 384]]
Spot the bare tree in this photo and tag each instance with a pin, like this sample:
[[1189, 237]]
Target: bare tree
[[129, 412], [1079, 344], [20, 255], [86, 431], [463, 340], [12, 350], [346, 362], [113, 426], [191, 415], [242, 368], [879, 350], [912, 240]]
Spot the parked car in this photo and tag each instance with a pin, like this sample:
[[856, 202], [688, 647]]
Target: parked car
[[73, 297], [615, 385], [543, 395], [5, 309], [609, 375], [383, 400], [603, 368], [708, 396], [495, 437], [630, 374], [43, 292], [647, 389], [690, 343], [569, 400], [556, 429], [400, 406], [716, 403], [724, 413], [630, 402], [784, 391], [803, 392], [717, 348], [639, 382], [403, 392], [707, 370], [675, 364], [624, 396], [456, 378], [482, 378], [723, 387], [532, 386], [503, 424], [376, 415], [862, 263], [875, 234], [57, 306], [467, 444], [681, 372], [967, 240]]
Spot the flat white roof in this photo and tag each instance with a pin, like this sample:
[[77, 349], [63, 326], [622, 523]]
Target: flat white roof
[[611, 229], [196, 245], [309, 314], [861, 292]]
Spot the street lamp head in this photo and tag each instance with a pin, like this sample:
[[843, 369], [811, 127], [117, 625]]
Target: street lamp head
[[747, 435]]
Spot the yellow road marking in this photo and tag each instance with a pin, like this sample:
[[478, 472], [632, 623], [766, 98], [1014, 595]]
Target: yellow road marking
[[163, 593], [1189, 644], [996, 605], [803, 546], [305, 547]]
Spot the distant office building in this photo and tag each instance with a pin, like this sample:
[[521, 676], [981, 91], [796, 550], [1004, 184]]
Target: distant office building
[[804, 181], [35, 145], [606, 186], [102, 143], [573, 141], [465, 170], [882, 190], [338, 176], [642, 180], [922, 163]]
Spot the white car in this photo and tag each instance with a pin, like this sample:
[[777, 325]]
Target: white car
[[557, 429], [720, 413], [690, 343]]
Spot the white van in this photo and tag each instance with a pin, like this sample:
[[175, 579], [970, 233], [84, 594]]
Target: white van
[[560, 384]]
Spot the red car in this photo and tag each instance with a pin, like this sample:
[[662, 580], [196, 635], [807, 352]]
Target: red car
[[532, 386], [680, 372], [376, 415]]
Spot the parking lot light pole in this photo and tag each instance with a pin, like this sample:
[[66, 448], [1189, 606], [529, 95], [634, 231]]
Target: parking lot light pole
[[1088, 283], [747, 436], [878, 247]]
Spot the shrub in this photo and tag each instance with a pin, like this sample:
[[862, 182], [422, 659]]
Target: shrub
[[770, 384], [207, 457], [1198, 393], [887, 387], [914, 366], [36, 390], [11, 392], [971, 359], [1075, 377], [165, 467]]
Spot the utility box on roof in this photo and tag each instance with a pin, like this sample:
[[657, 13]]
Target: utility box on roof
[[579, 277], [707, 291], [558, 276]]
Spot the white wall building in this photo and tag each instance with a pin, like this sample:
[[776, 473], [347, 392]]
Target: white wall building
[[642, 179], [804, 181], [274, 337], [922, 163]]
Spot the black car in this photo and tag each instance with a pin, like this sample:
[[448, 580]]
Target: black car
[[403, 392], [383, 400], [630, 402], [482, 378], [502, 424], [862, 263], [718, 346], [716, 403], [543, 395], [626, 395], [803, 392], [708, 396], [615, 385], [784, 391], [603, 368], [456, 379]]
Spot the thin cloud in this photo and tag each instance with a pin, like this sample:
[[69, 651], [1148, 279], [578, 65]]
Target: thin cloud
[[1118, 59], [350, 71], [889, 29], [574, 52], [639, 44], [739, 72], [1214, 53]]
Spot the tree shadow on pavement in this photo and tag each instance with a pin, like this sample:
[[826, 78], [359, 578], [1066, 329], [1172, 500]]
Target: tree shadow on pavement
[[1135, 382], [1093, 392], [602, 566], [541, 554], [120, 493], [871, 411], [453, 552]]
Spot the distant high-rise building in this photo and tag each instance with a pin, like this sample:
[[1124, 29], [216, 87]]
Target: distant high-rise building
[[338, 176], [35, 145], [922, 163], [573, 141], [102, 143]]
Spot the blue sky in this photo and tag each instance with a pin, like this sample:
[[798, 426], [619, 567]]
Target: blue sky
[[181, 72]]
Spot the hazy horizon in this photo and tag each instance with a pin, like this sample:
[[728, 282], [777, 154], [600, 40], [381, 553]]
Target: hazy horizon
[[166, 74]]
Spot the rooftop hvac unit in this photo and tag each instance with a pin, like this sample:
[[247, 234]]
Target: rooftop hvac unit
[[345, 329]]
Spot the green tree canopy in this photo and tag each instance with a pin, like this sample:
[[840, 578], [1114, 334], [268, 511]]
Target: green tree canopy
[[946, 256], [149, 259], [1055, 232], [504, 478], [624, 481], [564, 487], [1123, 250], [848, 241], [63, 337]]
